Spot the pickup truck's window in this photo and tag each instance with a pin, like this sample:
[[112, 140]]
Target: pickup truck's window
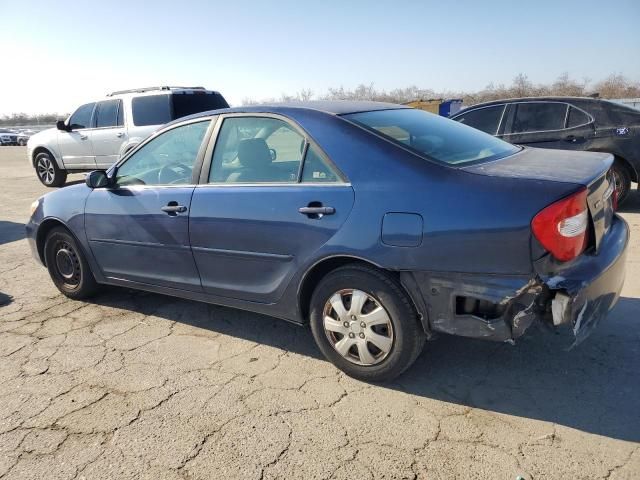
[[256, 150], [434, 137], [166, 160], [151, 110], [486, 119], [107, 113], [577, 118], [538, 116], [81, 118]]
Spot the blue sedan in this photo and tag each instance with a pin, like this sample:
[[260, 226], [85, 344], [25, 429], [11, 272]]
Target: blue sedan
[[376, 224]]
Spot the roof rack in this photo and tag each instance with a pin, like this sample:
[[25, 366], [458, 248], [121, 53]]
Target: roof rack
[[149, 89]]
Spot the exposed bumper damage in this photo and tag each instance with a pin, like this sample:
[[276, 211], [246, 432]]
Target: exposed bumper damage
[[503, 307]]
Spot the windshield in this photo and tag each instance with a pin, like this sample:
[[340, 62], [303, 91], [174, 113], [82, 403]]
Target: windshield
[[435, 137]]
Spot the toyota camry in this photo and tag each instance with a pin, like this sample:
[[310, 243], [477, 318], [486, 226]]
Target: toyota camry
[[376, 224]]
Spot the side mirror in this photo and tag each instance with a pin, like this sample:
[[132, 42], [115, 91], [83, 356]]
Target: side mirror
[[60, 125], [97, 179]]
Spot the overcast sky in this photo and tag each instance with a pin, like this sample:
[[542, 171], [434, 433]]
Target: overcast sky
[[56, 55]]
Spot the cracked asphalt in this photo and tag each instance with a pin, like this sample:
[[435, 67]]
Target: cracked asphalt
[[136, 385]]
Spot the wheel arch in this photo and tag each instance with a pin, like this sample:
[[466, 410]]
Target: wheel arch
[[42, 149], [43, 230], [323, 267]]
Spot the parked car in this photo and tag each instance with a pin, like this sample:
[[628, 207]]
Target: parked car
[[8, 137], [568, 123], [24, 136], [97, 134], [377, 224]]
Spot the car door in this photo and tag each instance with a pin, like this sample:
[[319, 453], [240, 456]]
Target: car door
[[109, 133], [74, 143], [138, 228], [268, 199]]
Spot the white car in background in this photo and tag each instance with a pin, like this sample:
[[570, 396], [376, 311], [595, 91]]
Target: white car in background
[[99, 133]]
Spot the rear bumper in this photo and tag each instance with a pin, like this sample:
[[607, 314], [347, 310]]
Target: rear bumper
[[587, 290], [503, 307]]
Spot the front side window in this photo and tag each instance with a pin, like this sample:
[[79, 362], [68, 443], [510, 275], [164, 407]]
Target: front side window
[[486, 119], [168, 159], [434, 137], [538, 117], [151, 110], [256, 150], [107, 114], [81, 118]]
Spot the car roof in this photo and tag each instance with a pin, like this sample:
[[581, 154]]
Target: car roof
[[331, 107], [537, 99]]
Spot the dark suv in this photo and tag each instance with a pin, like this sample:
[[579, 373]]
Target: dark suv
[[567, 123]]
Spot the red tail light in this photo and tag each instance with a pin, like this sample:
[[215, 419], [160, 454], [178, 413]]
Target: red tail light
[[561, 227]]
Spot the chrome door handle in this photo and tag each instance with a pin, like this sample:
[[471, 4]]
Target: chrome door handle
[[317, 210], [119, 134], [83, 137]]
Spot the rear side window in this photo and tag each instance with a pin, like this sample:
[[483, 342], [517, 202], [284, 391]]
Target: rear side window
[[576, 118], [316, 169], [151, 110], [486, 119], [190, 102], [538, 117], [81, 118], [434, 137], [107, 114]]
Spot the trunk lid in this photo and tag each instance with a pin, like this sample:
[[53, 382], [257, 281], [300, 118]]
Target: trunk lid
[[589, 169]]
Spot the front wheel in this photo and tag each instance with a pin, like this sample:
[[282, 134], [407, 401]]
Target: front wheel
[[68, 266], [48, 171], [365, 324]]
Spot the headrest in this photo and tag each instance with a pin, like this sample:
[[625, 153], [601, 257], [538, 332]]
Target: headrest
[[254, 153]]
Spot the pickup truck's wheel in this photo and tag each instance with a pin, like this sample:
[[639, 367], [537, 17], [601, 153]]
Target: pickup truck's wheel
[[365, 324], [67, 265], [623, 181], [48, 172]]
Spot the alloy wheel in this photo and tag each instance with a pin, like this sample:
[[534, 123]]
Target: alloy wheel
[[358, 327], [45, 169]]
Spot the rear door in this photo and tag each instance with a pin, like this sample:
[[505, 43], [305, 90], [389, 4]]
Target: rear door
[[547, 125], [109, 133], [74, 144], [268, 199]]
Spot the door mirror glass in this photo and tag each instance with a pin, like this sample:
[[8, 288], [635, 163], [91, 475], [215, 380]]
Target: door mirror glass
[[60, 125], [97, 179]]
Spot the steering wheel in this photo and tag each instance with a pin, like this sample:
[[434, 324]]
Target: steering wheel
[[174, 173]]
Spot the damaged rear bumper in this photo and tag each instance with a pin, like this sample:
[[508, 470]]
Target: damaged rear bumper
[[503, 307]]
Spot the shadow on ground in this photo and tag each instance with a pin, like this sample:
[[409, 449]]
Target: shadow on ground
[[11, 231], [593, 388], [5, 299]]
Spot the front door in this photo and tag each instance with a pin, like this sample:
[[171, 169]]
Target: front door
[[262, 212], [138, 229], [75, 144], [109, 134]]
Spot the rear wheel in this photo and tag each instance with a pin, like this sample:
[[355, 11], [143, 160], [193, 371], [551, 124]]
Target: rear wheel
[[365, 324], [68, 266], [48, 171], [623, 181]]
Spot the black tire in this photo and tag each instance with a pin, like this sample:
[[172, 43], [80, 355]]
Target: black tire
[[623, 181], [68, 266], [407, 334], [48, 172]]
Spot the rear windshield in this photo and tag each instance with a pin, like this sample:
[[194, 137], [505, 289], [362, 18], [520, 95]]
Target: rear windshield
[[160, 109], [434, 137]]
